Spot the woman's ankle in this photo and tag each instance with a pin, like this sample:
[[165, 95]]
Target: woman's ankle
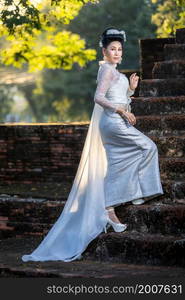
[[112, 214]]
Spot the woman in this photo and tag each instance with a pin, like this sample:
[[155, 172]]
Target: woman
[[116, 164], [133, 170]]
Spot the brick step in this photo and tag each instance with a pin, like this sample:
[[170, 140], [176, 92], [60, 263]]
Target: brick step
[[162, 87], [170, 146], [172, 168], [180, 36], [20, 175], [139, 248], [161, 125], [20, 216], [169, 69], [172, 165], [174, 192], [11, 265], [147, 57], [19, 211], [40, 191], [153, 219], [34, 218], [19, 229], [158, 105], [174, 51], [130, 247], [92, 269]]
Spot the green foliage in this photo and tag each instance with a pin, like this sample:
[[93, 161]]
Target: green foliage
[[33, 35], [169, 16], [62, 50], [37, 13], [68, 94], [16, 13], [64, 88]]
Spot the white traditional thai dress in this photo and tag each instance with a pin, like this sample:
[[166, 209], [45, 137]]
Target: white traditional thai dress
[[133, 168], [118, 164]]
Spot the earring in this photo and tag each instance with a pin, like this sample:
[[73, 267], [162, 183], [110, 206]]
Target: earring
[[120, 61], [105, 58]]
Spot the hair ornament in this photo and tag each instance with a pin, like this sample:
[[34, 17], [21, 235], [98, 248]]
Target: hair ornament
[[113, 32]]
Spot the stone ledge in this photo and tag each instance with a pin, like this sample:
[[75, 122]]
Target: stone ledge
[[164, 125], [169, 69], [11, 265], [139, 248], [162, 87], [174, 51], [157, 218], [158, 105], [43, 124]]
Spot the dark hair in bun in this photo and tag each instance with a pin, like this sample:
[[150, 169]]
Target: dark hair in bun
[[112, 34]]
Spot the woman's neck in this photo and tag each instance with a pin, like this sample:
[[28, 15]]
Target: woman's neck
[[107, 62], [114, 65]]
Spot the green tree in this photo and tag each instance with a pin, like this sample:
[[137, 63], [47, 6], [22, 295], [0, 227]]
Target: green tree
[[169, 16], [66, 94], [70, 92], [35, 34]]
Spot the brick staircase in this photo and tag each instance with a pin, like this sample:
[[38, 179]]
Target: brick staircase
[[156, 232]]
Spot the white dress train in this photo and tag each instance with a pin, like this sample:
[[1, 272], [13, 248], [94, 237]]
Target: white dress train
[[84, 216]]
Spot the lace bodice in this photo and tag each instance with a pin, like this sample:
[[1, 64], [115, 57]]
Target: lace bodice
[[112, 87]]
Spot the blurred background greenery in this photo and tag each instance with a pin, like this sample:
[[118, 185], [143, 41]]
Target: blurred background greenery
[[49, 52]]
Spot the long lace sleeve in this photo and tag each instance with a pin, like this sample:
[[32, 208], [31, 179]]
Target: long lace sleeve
[[105, 78]]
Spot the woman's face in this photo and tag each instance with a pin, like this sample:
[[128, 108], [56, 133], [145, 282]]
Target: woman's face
[[113, 52]]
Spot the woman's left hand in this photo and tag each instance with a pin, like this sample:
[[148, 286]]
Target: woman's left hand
[[134, 81]]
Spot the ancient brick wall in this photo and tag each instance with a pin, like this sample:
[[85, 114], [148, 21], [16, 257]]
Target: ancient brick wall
[[40, 152]]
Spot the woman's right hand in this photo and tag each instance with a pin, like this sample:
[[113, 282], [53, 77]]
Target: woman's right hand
[[127, 115]]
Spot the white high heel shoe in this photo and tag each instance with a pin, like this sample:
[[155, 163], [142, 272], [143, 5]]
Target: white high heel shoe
[[118, 227], [138, 201]]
